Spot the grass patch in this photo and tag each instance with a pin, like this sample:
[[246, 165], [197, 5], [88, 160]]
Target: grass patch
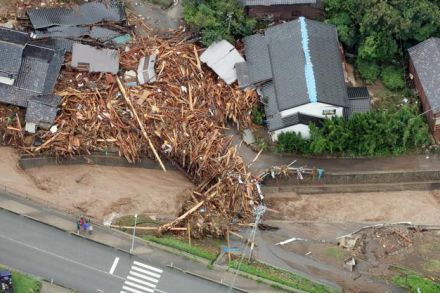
[[433, 265], [183, 246], [23, 283], [413, 282], [282, 277], [335, 252]]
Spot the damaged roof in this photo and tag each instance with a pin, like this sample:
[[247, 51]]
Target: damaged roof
[[85, 14], [12, 44], [94, 59], [222, 58], [37, 72], [42, 109], [96, 32]]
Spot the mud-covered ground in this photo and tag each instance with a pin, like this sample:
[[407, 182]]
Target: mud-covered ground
[[97, 191]]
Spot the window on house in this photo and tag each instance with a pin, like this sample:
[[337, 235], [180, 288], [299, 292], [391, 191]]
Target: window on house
[[328, 112]]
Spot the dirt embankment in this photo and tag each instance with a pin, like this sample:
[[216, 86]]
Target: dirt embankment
[[418, 207], [97, 191]]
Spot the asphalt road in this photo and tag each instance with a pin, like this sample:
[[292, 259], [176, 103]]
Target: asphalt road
[[84, 265]]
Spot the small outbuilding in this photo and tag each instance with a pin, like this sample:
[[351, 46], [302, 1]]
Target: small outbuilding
[[424, 66]]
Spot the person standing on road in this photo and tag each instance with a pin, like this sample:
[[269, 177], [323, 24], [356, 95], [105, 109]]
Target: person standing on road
[[78, 227]]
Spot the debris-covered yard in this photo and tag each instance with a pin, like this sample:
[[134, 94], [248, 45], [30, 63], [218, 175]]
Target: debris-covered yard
[[177, 115]]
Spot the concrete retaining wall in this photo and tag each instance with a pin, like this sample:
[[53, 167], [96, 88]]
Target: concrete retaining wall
[[277, 191], [359, 178], [27, 162], [374, 181]]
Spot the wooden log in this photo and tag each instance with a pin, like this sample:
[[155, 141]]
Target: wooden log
[[141, 125]]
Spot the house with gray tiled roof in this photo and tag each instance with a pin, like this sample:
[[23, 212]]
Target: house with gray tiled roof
[[424, 66], [28, 74], [284, 9], [297, 68]]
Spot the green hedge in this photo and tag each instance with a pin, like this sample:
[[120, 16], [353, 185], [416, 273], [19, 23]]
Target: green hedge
[[379, 132], [183, 246], [282, 277]]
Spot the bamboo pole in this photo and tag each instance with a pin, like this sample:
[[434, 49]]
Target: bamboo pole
[[141, 125], [229, 246], [189, 233]]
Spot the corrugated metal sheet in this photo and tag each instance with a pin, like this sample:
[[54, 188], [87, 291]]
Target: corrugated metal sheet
[[222, 57], [97, 60], [86, 14]]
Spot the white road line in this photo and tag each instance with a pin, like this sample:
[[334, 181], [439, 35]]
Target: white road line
[[113, 268], [144, 277], [131, 284], [148, 267], [134, 290], [59, 256], [145, 272], [141, 282]]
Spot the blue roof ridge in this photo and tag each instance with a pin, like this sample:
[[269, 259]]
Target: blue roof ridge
[[308, 67]]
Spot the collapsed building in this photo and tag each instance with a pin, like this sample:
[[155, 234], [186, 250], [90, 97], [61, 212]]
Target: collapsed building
[[30, 62], [28, 74]]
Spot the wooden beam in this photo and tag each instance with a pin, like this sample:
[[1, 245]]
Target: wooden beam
[[141, 125]]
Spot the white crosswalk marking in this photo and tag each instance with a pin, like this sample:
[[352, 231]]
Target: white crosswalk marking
[[146, 272], [148, 267], [141, 282], [142, 278]]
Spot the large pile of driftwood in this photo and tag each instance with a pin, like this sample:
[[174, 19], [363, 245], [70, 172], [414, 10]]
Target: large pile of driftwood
[[179, 118]]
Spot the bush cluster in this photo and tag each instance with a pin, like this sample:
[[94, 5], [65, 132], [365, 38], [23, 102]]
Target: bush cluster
[[380, 132]]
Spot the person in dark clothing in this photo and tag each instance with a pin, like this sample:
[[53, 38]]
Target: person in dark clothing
[[78, 227]]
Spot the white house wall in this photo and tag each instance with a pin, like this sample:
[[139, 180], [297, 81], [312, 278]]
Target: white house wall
[[298, 128], [313, 109]]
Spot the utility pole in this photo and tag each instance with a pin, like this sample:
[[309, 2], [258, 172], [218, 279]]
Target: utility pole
[[134, 232], [259, 212]]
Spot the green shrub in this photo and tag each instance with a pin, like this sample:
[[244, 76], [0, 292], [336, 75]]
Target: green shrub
[[218, 20], [291, 142], [378, 132], [258, 115], [392, 78], [368, 70]]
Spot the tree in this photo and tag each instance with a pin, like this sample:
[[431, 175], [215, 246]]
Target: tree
[[218, 19], [380, 132], [380, 31], [392, 78]]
